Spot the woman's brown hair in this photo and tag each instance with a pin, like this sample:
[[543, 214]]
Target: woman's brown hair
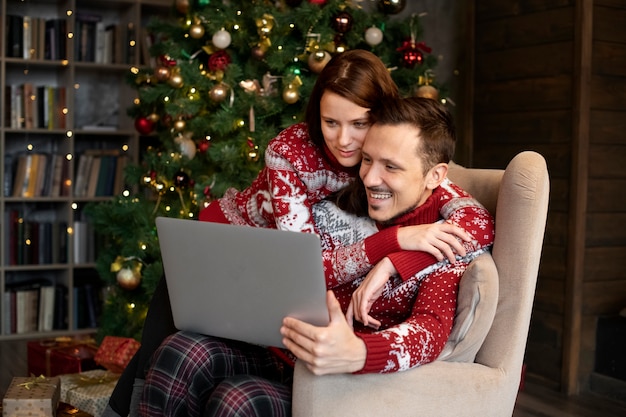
[[356, 75]]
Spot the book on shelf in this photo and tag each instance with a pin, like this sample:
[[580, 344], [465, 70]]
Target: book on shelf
[[36, 175], [100, 173], [32, 107], [87, 305], [84, 242], [55, 39], [15, 36], [34, 242], [30, 305], [31, 37], [46, 308], [60, 317]]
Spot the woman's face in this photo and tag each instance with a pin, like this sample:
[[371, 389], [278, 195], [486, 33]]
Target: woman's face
[[344, 125]]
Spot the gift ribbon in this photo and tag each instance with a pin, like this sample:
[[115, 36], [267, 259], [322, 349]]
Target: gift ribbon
[[36, 381], [61, 343]]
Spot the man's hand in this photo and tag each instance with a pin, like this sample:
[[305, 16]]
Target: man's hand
[[369, 290], [325, 350], [437, 239]]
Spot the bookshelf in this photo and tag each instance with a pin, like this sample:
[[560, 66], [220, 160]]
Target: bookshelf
[[64, 140]]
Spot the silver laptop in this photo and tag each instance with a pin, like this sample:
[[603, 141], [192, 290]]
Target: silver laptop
[[239, 282]]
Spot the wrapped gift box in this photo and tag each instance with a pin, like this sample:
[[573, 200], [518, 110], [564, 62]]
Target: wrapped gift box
[[35, 397], [89, 391], [115, 352], [54, 357]]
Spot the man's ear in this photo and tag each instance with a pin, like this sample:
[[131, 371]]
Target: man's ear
[[436, 175]]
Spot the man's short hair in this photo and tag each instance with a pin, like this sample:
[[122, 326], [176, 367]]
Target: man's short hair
[[434, 121]]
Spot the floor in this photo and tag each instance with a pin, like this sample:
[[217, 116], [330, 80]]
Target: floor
[[534, 401]]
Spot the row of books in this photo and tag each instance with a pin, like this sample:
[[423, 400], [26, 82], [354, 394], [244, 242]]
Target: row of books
[[28, 106], [100, 173], [34, 242], [35, 305], [36, 38], [96, 41], [42, 305], [37, 175], [32, 37]]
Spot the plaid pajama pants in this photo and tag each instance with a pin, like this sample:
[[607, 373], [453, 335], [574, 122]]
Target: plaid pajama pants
[[195, 375]]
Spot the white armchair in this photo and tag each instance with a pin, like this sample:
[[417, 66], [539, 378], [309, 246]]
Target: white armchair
[[518, 198]]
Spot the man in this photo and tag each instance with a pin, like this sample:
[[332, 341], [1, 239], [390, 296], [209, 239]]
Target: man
[[403, 173], [397, 317]]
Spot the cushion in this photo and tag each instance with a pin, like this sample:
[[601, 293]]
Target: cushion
[[476, 308]]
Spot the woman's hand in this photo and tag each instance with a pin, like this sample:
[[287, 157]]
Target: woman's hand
[[438, 239]]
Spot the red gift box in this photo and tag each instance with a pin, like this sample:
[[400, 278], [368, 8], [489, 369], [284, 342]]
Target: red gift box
[[54, 357], [115, 352]]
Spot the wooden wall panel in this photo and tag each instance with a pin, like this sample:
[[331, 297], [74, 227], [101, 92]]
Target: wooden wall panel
[[606, 229], [609, 58], [607, 161], [489, 9], [608, 23], [608, 93], [607, 194], [604, 297], [608, 126], [555, 25], [550, 75], [601, 265], [540, 61], [525, 127], [527, 93]]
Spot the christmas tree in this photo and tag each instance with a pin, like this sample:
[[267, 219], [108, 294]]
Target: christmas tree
[[228, 76]]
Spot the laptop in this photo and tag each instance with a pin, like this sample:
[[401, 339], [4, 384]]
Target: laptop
[[239, 282]]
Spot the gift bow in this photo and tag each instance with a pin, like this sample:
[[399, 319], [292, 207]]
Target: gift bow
[[409, 45], [35, 381]]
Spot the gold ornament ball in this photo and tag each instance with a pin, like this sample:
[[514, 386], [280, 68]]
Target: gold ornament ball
[[427, 91], [218, 92], [179, 125], [291, 94], [162, 74], [176, 81], [153, 117], [318, 60], [128, 279], [196, 31], [254, 154]]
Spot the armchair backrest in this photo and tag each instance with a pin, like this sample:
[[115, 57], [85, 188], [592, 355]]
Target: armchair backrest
[[518, 198]]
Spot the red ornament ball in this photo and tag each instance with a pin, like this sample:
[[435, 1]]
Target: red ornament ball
[[144, 125], [342, 22], [318, 2], [412, 57], [219, 61], [203, 146]]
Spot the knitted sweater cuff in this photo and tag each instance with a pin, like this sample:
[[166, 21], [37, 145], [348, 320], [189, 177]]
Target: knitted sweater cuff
[[377, 359], [382, 244], [409, 263], [213, 213]]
